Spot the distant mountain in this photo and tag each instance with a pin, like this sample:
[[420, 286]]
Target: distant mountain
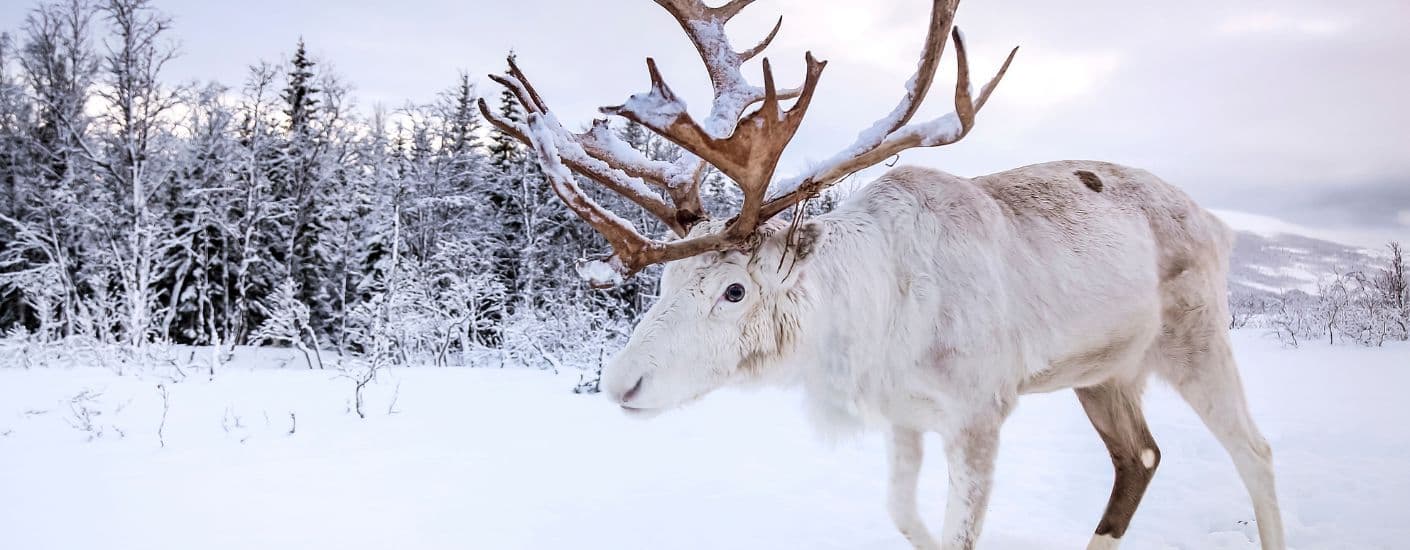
[[1273, 256]]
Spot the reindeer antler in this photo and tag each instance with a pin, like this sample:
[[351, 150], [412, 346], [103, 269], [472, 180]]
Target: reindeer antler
[[890, 134], [744, 147]]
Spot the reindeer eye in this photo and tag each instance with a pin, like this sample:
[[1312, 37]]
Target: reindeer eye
[[734, 292]]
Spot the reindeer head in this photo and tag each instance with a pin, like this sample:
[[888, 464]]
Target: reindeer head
[[722, 316], [725, 298]]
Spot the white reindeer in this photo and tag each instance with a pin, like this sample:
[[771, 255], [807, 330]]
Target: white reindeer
[[926, 301]]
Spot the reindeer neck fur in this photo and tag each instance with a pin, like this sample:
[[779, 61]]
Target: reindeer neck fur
[[874, 299]]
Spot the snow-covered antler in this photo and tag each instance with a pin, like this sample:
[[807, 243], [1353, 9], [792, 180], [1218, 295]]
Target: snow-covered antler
[[598, 154], [891, 134], [744, 147]]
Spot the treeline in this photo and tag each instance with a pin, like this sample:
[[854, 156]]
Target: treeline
[[1368, 307], [135, 211]]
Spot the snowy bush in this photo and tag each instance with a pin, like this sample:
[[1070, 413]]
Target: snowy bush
[[1349, 306], [286, 322]]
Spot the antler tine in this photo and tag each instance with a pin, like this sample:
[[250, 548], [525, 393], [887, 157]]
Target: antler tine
[[521, 94], [627, 243], [777, 128], [730, 9], [751, 53], [965, 106], [942, 17], [528, 88], [964, 102], [994, 82], [592, 155], [601, 142], [892, 133], [705, 27]]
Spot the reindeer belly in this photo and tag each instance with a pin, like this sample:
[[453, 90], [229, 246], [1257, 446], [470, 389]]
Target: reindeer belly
[[1094, 324], [1107, 340], [1118, 357]]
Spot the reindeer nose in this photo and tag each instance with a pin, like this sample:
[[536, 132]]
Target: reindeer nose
[[631, 393]]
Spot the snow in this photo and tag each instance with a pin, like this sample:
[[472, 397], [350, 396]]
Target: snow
[[601, 274], [655, 109], [601, 136], [1291, 272], [510, 458], [1269, 288]]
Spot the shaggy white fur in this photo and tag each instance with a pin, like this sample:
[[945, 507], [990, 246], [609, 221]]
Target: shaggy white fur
[[930, 302]]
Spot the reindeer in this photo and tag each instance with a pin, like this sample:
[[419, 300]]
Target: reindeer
[[926, 302]]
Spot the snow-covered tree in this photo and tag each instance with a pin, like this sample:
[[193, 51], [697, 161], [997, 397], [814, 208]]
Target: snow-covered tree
[[133, 156], [287, 322]]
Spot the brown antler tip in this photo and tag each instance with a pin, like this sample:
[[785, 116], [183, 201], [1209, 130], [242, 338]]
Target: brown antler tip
[[653, 71], [770, 92]]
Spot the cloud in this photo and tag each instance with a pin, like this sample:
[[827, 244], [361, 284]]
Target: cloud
[[1270, 22], [1051, 78]]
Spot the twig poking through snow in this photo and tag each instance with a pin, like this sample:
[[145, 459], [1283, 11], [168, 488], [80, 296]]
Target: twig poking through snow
[[392, 407], [166, 405]]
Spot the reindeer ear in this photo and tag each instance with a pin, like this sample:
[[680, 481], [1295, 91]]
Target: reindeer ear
[[807, 238]]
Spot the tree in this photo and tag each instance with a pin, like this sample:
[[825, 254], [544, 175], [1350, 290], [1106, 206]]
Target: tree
[[302, 174], [133, 164], [57, 69], [1394, 292], [462, 136], [202, 194], [286, 321], [15, 173], [301, 94], [253, 219], [1334, 298]]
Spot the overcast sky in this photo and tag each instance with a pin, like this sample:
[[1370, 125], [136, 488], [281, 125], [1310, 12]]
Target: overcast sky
[[1290, 108]]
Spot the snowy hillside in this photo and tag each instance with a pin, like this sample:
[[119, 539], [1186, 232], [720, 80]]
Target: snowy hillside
[[494, 458], [1273, 256]]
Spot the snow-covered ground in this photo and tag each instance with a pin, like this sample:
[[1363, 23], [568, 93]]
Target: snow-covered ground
[[259, 457]]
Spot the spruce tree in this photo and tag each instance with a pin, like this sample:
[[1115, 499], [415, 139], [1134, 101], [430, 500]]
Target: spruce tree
[[462, 130], [301, 184], [300, 96]]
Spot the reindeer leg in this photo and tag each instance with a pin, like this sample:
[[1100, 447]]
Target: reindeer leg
[[906, 451], [1210, 383], [1115, 411], [971, 452]]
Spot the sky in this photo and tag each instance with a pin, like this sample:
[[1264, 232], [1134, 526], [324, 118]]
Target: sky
[[1293, 108]]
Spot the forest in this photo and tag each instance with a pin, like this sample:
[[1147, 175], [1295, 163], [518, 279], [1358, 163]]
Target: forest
[[276, 211]]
